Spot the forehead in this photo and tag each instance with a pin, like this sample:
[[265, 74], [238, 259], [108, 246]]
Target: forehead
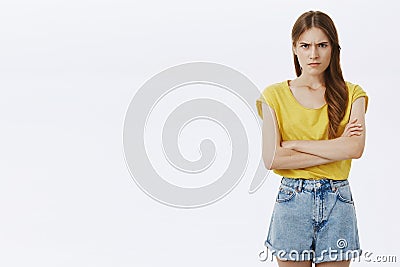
[[313, 35]]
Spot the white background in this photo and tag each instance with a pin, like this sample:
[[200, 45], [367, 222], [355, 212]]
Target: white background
[[68, 70]]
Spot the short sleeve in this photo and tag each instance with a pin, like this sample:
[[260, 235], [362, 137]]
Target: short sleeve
[[359, 92], [267, 97]]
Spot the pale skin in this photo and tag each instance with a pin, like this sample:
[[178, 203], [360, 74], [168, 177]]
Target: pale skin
[[312, 47]]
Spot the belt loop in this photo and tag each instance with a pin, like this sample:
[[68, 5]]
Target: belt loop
[[332, 186], [299, 187]]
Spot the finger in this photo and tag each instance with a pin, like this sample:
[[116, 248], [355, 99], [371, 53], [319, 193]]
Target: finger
[[350, 132], [355, 133], [355, 126], [347, 133], [354, 123], [357, 130]]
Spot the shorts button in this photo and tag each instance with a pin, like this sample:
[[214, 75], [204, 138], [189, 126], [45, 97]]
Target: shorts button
[[318, 185]]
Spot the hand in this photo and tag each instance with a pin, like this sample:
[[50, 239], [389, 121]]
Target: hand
[[288, 144], [352, 128]]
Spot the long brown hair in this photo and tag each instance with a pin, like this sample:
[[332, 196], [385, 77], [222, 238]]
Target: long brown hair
[[336, 93]]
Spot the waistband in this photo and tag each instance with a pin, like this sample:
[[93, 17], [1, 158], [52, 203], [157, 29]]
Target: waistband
[[312, 185]]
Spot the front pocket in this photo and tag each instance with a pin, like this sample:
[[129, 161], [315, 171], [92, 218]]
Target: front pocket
[[344, 194], [285, 194]]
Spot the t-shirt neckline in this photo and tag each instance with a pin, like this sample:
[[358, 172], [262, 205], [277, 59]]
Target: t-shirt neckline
[[287, 85]]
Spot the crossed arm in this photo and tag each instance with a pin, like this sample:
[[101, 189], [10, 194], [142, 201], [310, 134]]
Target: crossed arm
[[306, 153]]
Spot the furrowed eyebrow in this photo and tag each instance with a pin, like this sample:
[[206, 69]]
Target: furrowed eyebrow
[[323, 42]]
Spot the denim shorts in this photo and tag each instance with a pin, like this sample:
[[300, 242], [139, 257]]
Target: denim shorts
[[313, 220]]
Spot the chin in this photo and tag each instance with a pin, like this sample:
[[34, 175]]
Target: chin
[[314, 72]]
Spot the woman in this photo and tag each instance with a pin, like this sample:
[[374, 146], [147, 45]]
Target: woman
[[313, 126]]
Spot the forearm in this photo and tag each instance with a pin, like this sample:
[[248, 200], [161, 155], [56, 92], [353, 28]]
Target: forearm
[[340, 148], [291, 159]]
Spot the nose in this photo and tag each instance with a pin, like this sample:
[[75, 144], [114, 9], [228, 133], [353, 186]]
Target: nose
[[314, 52]]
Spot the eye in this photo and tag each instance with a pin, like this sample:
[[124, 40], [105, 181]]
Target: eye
[[323, 45], [304, 45]]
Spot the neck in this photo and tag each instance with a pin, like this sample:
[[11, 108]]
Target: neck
[[312, 81]]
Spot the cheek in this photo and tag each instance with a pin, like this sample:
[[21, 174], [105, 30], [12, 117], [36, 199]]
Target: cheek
[[328, 60], [302, 58], [328, 56]]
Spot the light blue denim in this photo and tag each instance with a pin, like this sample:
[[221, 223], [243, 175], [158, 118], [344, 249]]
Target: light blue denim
[[313, 220]]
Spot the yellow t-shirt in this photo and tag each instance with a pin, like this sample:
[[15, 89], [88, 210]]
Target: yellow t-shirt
[[297, 122]]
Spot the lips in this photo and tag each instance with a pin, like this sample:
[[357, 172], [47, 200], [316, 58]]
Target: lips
[[314, 64]]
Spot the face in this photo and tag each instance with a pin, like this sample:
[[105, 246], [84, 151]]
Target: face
[[313, 51]]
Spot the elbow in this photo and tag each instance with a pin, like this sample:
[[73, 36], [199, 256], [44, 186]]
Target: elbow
[[353, 147], [357, 151], [357, 154], [269, 157], [269, 164], [272, 167], [271, 161]]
